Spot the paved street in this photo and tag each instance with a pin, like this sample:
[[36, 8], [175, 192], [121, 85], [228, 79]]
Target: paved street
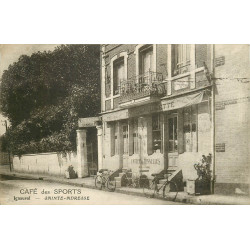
[[24, 192]]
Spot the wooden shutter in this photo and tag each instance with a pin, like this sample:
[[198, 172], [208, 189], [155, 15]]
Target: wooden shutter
[[130, 137], [149, 135], [112, 139], [201, 54], [180, 134]]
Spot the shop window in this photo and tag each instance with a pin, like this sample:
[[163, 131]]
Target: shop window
[[125, 138], [135, 136], [190, 129], [172, 134], [118, 74], [181, 58], [156, 132]]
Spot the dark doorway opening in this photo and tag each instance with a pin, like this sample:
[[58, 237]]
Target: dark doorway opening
[[92, 152]]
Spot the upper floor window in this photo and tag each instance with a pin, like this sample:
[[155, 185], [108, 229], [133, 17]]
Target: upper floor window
[[181, 58], [145, 59], [118, 74]]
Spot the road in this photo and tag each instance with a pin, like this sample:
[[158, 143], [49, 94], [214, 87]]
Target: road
[[25, 192]]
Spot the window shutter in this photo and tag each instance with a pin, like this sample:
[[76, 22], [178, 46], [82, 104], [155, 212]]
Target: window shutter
[[130, 137], [180, 135], [149, 136], [112, 139], [201, 54]]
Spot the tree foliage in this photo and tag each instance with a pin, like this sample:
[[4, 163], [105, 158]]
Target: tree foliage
[[44, 94]]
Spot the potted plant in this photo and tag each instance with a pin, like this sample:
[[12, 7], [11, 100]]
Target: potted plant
[[203, 182]]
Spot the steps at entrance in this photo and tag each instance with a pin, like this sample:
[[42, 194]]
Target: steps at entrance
[[118, 184], [118, 180]]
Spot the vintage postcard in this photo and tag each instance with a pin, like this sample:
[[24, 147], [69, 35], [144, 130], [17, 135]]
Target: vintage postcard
[[98, 124]]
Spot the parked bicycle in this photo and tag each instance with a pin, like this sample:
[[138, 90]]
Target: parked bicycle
[[153, 188], [104, 178], [130, 179]]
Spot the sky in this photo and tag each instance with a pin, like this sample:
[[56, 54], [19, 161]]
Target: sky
[[10, 53]]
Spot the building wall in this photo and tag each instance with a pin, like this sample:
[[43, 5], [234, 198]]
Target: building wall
[[232, 120], [231, 67], [112, 50], [46, 163]]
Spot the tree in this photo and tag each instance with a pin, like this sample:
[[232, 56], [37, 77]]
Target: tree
[[44, 94]]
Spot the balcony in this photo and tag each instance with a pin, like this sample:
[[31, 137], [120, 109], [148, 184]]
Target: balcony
[[145, 88]]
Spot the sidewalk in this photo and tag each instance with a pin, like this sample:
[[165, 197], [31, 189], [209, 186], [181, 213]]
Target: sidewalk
[[89, 182]]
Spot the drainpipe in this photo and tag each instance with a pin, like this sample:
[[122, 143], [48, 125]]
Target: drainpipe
[[213, 117]]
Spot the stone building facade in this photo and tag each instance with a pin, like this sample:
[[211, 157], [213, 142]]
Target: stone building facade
[[164, 106]]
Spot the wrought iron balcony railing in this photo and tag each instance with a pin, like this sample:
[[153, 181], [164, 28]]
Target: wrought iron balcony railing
[[148, 84]]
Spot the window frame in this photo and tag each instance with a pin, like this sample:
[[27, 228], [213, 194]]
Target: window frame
[[155, 131], [118, 62]]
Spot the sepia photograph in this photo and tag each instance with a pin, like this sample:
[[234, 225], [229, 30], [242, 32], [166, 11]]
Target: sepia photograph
[[124, 124]]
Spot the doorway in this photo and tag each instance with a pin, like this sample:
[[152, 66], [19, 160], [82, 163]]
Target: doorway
[[172, 140], [92, 152]]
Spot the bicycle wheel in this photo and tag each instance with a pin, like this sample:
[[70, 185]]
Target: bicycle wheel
[[98, 182], [111, 184], [170, 190], [149, 190]]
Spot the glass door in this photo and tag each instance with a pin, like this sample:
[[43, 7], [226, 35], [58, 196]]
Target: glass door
[[172, 140]]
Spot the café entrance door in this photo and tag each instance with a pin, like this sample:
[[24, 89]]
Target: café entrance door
[[172, 139]]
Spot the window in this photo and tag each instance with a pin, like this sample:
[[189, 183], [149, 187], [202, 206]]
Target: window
[[146, 59], [156, 132], [135, 137], [125, 138], [190, 129], [181, 58], [118, 74], [172, 134]]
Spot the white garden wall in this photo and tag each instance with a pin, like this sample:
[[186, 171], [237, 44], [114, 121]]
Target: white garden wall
[[45, 163]]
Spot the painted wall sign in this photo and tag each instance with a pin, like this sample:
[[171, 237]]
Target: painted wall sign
[[88, 122], [146, 161], [220, 147], [219, 61]]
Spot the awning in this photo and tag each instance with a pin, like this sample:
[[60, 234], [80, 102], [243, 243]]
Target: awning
[[164, 105], [181, 102]]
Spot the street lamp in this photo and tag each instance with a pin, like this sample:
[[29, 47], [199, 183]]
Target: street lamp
[[8, 147]]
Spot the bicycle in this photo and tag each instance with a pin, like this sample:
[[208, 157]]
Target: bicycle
[[134, 181], [104, 178], [154, 187]]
